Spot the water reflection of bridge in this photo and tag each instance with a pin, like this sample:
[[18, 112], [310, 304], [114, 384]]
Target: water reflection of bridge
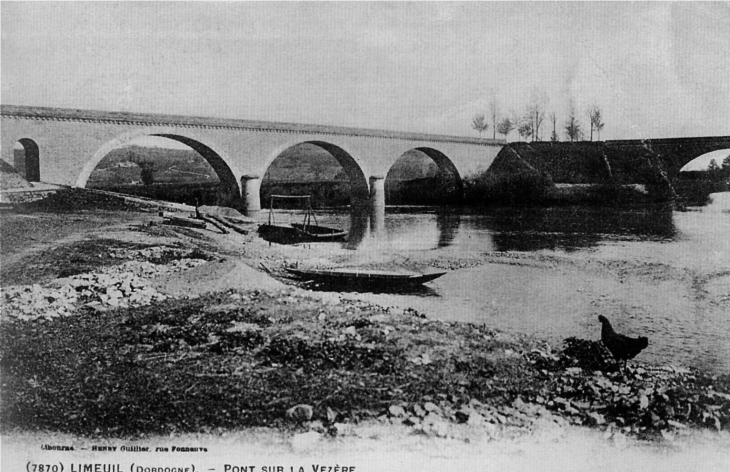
[[509, 229], [421, 233]]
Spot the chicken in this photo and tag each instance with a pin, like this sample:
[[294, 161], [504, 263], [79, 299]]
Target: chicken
[[620, 346]]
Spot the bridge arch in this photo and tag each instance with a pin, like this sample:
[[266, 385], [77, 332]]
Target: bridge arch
[[29, 164], [450, 177], [359, 187], [218, 160], [445, 164], [702, 162]]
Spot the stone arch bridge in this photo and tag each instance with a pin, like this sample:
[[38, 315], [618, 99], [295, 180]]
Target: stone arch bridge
[[63, 146]]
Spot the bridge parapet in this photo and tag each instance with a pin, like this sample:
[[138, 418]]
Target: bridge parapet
[[149, 119]]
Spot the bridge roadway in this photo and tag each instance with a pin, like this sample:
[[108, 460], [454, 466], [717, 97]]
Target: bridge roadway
[[63, 146]]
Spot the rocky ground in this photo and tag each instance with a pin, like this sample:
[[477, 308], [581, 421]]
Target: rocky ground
[[117, 326]]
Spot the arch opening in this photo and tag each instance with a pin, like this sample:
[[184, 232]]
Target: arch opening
[[326, 172], [703, 176], [423, 176], [703, 163], [26, 159], [167, 167]]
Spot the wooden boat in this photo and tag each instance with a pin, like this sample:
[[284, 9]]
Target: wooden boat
[[294, 233], [369, 278]]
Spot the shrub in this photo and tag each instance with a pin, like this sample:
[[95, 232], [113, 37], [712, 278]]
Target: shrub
[[148, 172], [519, 188]]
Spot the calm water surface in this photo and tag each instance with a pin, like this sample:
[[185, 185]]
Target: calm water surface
[[679, 294]]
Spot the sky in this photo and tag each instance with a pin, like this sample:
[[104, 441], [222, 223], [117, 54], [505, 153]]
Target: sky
[[703, 162], [656, 70]]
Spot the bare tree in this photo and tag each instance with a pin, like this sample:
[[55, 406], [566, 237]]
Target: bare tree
[[573, 129], [596, 120], [505, 127], [536, 111], [479, 123], [494, 112], [526, 125], [554, 119]]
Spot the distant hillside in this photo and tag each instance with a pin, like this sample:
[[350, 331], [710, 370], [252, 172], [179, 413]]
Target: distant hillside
[[310, 163], [303, 163], [121, 166], [413, 165]]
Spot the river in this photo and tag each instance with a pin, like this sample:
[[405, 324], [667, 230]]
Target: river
[[550, 271]]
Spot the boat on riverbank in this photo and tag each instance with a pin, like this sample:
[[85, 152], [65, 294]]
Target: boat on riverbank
[[294, 233], [365, 278]]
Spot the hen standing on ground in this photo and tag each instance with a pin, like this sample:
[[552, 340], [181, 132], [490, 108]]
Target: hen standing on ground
[[621, 347]]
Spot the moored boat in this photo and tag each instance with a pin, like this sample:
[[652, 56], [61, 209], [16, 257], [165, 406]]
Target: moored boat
[[293, 233], [298, 233], [370, 278]]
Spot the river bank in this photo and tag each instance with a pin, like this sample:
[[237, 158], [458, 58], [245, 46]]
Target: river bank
[[250, 348]]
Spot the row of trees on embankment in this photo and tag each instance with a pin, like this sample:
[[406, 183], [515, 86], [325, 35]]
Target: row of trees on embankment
[[529, 123]]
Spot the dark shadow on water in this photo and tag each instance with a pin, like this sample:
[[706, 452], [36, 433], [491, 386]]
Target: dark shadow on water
[[567, 228], [539, 241], [359, 229], [447, 225], [364, 226], [575, 228]]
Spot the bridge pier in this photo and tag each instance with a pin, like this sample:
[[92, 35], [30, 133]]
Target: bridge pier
[[377, 192], [377, 204], [250, 186]]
